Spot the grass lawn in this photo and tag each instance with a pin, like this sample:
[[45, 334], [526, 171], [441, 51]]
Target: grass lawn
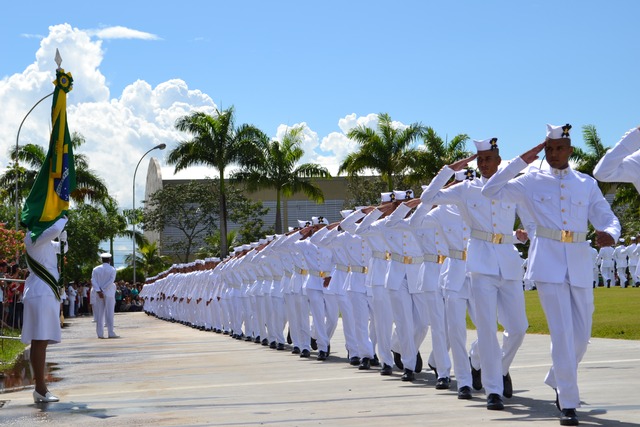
[[617, 313], [10, 349]]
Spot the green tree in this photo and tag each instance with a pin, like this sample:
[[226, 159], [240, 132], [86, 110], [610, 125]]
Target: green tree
[[148, 260], [86, 229], [189, 208], [116, 223], [586, 160], [218, 143], [276, 167], [90, 187], [363, 191], [438, 154], [388, 150]]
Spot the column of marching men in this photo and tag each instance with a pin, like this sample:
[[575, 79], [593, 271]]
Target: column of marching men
[[409, 265]]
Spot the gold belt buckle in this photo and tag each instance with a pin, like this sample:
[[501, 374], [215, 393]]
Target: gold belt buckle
[[464, 255], [407, 259], [322, 274], [441, 259], [387, 256], [304, 272], [497, 238], [364, 270], [566, 236]]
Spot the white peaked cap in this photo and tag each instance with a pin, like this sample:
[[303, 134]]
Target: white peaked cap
[[359, 208], [465, 174], [290, 229], [105, 255], [403, 194], [250, 246], [238, 248], [557, 132], [621, 240], [486, 144], [633, 238], [270, 237], [199, 261], [345, 212], [263, 241], [303, 224], [387, 197], [319, 220]]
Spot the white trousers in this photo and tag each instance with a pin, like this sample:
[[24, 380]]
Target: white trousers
[[301, 322], [607, 274], [435, 312], [412, 324], [569, 312], [278, 320], [348, 325], [361, 323], [383, 319], [498, 300], [332, 313], [456, 305], [318, 312], [104, 309]]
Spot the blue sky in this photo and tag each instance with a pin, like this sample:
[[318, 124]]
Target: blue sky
[[485, 68]]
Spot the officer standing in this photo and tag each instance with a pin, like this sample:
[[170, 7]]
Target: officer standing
[[102, 279]]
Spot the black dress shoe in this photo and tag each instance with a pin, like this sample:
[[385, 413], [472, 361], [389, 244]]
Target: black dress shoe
[[225, 333], [418, 363], [354, 361], [507, 386], [322, 355], [476, 377], [296, 350], [305, 353], [239, 337], [569, 418], [280, 346], [248, 339], [433, 368], [408, 375], [314, 344], [365, 364], [257, 340], [386, 370], [375, 361], [273, 345], [265, 342], [465, 393], [443, 383], [397, 359], [494, 402]]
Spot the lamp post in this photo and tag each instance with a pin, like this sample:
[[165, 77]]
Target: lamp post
[[133, 211], [17, 154]]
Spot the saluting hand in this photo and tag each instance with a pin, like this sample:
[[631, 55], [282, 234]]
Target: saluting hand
[[532, 155], [461, 164]]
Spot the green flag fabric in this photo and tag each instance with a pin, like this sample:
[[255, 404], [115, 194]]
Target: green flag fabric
[[49, 196]]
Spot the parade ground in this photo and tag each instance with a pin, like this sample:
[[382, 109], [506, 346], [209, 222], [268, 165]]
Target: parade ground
[[165, 374]]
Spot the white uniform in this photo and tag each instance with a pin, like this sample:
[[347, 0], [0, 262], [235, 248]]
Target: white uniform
[[495, 270], [41, 317], [620, 258], [594, 263], [102, 279], [560, 200], [605, 261], [634, 258], [622, 162]]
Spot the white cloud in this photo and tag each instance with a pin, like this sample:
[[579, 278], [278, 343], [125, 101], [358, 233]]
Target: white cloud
[[119, 32], [120, 128]]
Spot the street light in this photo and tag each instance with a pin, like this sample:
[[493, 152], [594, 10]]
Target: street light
[[133, 211], [17, 154]]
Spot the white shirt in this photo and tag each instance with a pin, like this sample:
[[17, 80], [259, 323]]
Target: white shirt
[[622, 162], [45, 251], [567, 201], [102, 279]]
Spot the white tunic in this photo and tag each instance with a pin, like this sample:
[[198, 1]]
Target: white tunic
[[622, 162]]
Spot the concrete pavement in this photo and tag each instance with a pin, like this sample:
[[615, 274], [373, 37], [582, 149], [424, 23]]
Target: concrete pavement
[[166, 374]]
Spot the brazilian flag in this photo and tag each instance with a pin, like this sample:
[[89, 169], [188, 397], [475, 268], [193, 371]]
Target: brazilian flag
[[49, 197]]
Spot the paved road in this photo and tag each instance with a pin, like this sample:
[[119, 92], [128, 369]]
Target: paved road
[[165, 374]]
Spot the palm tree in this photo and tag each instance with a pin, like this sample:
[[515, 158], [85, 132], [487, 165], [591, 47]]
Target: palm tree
[[586, 160], [211, 246], [117, 224], [438, 154], [217, 143], [89, 186], [387, 150], [275, 167], [148, 259]]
